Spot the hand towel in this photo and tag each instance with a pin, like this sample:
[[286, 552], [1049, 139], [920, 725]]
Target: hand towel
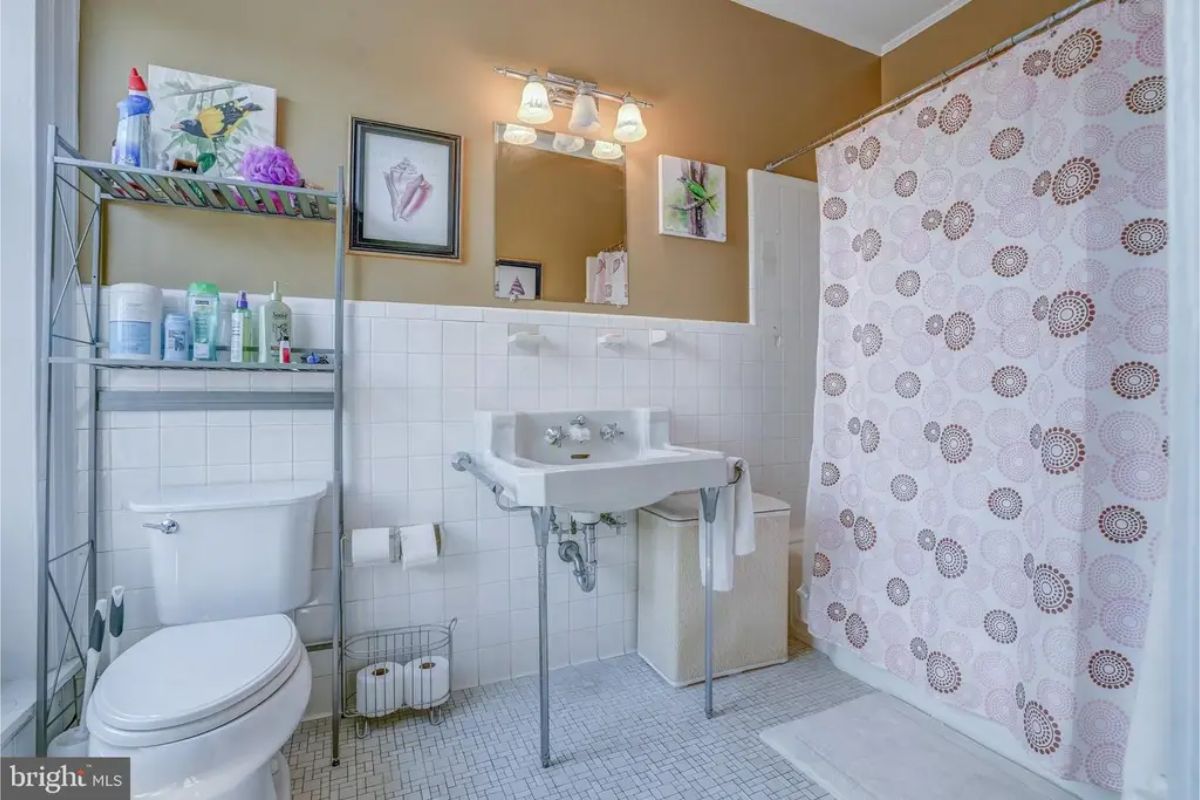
[[733, 528], [608, 278]]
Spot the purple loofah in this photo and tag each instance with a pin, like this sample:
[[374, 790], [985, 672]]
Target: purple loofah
[[270, 165]]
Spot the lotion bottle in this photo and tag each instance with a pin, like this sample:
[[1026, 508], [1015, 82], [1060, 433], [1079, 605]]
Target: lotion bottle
[[274, 324], [241, 332]]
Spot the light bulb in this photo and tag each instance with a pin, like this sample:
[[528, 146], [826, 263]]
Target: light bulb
[[519, 134], [585, 118], [535, 103], [606, 151], [566, 143], [629, 126]]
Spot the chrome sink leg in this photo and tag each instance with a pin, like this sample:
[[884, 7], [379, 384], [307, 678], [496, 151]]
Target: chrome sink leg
[[541, 534], [708, 499]]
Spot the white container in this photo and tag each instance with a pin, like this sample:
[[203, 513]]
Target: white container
[[135, 321], [750, 623], [236, 550]]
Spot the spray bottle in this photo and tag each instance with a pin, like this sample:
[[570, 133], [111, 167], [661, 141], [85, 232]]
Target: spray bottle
[[133, 125]]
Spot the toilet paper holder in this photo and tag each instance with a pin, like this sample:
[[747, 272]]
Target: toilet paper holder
[[395, 548]]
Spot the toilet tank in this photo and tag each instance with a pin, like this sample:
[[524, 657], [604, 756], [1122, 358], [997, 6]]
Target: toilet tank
[[236, 550]]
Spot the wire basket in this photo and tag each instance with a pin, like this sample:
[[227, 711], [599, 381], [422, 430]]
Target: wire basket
[[394, 669]]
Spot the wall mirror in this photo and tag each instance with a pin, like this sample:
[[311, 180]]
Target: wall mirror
[[560, 217]]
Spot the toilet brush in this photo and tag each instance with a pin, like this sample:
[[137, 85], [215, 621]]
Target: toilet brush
[[95, 645], [116, 622]]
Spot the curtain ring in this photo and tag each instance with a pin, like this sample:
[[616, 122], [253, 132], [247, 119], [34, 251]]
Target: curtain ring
[[944, 81]]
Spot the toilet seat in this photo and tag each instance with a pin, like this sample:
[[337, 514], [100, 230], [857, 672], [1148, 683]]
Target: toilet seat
[[185, 680]]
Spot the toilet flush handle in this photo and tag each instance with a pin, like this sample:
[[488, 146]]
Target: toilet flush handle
[[166, 526]]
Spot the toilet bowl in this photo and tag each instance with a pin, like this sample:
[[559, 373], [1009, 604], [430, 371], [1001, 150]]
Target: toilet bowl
[[202, 709]]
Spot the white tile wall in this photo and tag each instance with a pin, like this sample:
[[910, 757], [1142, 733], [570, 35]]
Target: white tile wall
[[414, 376]]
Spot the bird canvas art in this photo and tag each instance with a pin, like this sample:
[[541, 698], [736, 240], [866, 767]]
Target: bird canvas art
[[209, 120], [691, 199]]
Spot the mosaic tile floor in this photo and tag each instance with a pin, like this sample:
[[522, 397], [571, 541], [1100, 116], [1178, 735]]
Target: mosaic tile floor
[[617, 731]]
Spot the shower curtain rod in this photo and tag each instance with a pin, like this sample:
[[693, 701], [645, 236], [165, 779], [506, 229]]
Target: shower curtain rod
[[943, 77]]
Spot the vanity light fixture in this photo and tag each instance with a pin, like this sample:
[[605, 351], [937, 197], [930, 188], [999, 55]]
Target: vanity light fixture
[[519, 134], [542, 92], [535, 102], [585, 117], [607, 151], [568, 143], [630, 127]]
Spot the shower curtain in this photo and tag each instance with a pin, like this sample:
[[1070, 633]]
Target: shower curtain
[[989, 461]]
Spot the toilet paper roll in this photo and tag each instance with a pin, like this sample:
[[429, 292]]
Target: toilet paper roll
[[379, 689], [418, 545], [370, 545], [427, 682]]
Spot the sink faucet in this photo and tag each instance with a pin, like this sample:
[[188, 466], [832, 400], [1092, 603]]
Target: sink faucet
[[611, 432], [579, 431]]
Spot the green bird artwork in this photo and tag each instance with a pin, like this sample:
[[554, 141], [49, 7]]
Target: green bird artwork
[[691, 199]]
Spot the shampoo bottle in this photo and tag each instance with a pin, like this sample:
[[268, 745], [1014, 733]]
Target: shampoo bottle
[[274, 324], [241, 331], [203, 309]]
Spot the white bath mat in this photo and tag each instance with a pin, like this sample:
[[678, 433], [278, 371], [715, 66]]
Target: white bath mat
[[877, 747]]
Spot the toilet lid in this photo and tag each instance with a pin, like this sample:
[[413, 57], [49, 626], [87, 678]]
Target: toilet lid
[[189, 673]]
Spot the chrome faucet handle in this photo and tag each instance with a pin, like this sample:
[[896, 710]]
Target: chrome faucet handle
[[611, 432], [580, 420], [166, 526], [555, 435]]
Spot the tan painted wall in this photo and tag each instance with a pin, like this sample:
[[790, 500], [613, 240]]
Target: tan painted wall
[[558, 210], [730, 85], [972, 29]]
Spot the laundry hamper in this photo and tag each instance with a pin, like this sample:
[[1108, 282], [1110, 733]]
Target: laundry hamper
[[750, 623]]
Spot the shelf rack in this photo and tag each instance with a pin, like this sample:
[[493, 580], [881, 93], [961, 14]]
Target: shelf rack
[[65, 234]]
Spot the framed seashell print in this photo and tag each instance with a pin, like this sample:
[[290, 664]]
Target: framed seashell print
[[405, 191]]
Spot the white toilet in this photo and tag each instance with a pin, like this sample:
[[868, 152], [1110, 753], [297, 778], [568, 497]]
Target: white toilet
[[203, 706]]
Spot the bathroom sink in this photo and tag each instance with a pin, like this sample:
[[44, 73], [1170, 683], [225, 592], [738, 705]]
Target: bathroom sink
[[610, 460]]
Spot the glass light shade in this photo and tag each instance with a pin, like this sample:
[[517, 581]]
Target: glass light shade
[[535, 103], [629, 123], [606, 151], [566, 143], [519, 134], [585, 118]]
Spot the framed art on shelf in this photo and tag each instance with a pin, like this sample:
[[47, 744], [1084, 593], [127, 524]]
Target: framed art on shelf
[[518, 280], [405, 191]]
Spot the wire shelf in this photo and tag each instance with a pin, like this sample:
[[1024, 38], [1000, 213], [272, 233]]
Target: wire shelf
[[403, 668], [251, 366], [189, 190]]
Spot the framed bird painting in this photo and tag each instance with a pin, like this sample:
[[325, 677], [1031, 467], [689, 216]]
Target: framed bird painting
[[405, 191], [207, 120], [691, 199]]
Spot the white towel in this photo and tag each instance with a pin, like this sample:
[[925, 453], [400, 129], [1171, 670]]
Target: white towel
[[733, 528]]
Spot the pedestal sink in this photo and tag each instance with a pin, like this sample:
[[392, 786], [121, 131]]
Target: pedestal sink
[[588, 462], [613, 460]]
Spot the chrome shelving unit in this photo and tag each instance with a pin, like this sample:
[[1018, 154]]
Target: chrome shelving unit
[[95, 184]]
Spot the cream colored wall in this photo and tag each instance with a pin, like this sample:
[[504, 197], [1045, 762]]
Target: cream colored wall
[[972, 29], [730, 86]]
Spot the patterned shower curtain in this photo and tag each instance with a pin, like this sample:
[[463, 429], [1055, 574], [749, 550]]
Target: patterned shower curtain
[[989, 461]]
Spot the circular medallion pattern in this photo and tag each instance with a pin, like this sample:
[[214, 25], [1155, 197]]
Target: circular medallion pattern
[[1076, 52], [1001, 626], [1147, 96], [958, 220], [1041, 730], [1135, 380], [864, 534], [950, 557], [908, 385], [1062, 451], [897, 591], [1007, 143], [829, 474], [1009, 381], [1075, 180], [906, 183], [1122, 524], [1144, 237], [856, 631], [1010, 261], [954, 114], [869, 152], [834, 208], [1109, 669], [1042, 183], [1036, 63], [1070, 314], [959, 330], [837, 295], [1005, 503], [821, 565], [904, 488], [1052, 592], [836, 612], [955, 443], [926, 539], [926, 116], [908, 283], [942, 673], [931, 220], [919, 648], [834, 383]]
